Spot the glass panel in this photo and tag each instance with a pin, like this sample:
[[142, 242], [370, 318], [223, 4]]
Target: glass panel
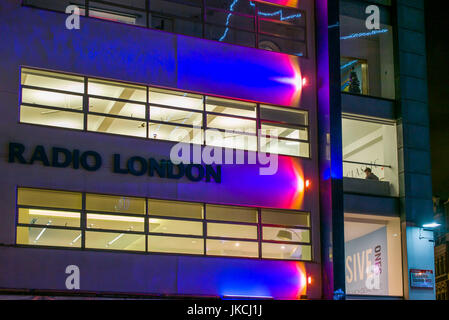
[[175, 133], [115, 241], [225, 34], [120, 108], [99, 202], [370, 146], [139, 4], [235, 214], [367, 56], [52, 80], [114, 222], [175, 25], [116, 126], [49, 217], [284, 131], [175, 209], [230, 139], [117, 90], [52, 118], [282, 30], [176, 116], [48, 237], [229, 19], [176, 99], [280, 14], [290, 148], [230, 123], [272, 43], [232, 248], [49, 198], [297, 117], [118, 14], [175, 245], [231, 107], [286, 234], [176, 226], [286, 251], [375, 243], [52, 99], [231, 231], [232, 5], [286, 218], [190, 9]]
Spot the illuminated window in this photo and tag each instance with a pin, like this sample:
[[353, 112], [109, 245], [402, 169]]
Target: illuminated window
[[373, 242], [284, 131], [60, 100], [370, 145], [122, 223], [367, 59]]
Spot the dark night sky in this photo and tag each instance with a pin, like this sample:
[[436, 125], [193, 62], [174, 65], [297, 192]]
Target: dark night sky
[[437, 29]]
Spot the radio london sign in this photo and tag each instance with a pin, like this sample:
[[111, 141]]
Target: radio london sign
[[58, 157]]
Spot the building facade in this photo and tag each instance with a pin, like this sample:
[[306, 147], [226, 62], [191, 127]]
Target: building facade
[[215, 148]]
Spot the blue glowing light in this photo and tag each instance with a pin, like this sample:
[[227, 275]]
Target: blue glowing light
[[363, 34], [350, 63]]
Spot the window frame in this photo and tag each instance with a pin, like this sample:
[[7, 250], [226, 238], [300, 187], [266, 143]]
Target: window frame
[[147, 233]]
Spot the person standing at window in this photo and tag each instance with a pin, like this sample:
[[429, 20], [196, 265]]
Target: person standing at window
[[370, 175]]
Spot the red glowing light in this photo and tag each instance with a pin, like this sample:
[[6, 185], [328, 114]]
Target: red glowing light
[[309, 280], [304, 82], [307, 183]]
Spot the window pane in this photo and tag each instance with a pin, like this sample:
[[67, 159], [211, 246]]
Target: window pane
[[176, 116], [290, 148], [119, 14], [231, 107], [114, 222], [176, 99], [284, 131], [232, 248], [139, 4], [237, 6], [286, 251], [297, 117], [51, 117], [278, 44], [286, 234], [132, 110], [99, 202], [370, 145], [229, 19], [48, 198], [48, 237], [367, 56], [285, 218], [231, 231], [175, 245], [282, 30], [230, 139], [281, 14], [226, 34], [376, 242], [190, 9], [49, 217], [52, 99], [175, 209], [235, 214], [52, 80], [233, 124], [175, 133], [115, 241], [117, 90], [176, 25], [176, 226], [116, 126]]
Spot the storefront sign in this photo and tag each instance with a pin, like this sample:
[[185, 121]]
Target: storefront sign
[[92, 161], [367, 264], [421, 278]]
